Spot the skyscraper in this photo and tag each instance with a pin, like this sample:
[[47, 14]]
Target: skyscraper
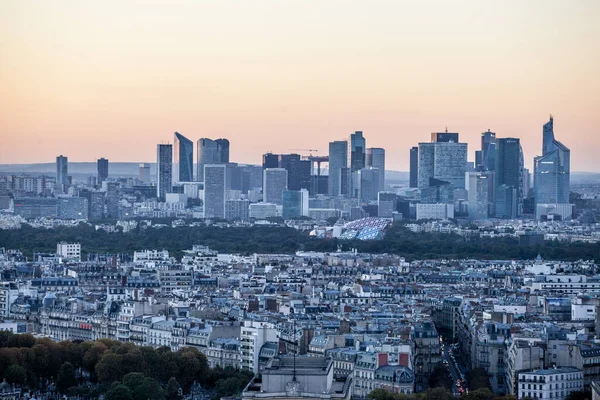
[[275, 181], [102, 170], [509, 173], [298, 171], [444, 161], [223, 146], [375, 157], [62, 170], [183, 159], [479, 187], [488, 152], [366, 183], [144, 173], [294, 203], [214, 190], [338, 168], [414, 167], [552, 170], [357, 145], [211, 152], [270, 160], [164, 170]]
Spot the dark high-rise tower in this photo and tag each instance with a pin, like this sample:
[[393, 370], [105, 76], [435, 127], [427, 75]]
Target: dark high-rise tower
[[62, 170], [164, 170], [270, 160], [298, 171], [357, 146], [211, 152], [102, 170], [508, 178], [183, 159], [487, 161], [414, 167], [338, 168]]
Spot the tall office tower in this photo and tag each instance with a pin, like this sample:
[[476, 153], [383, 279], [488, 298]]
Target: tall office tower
[[386, 204], [62, 170], [443, 161], [183, 159], [375, 157], [298, 171], [234, 177], [444, 137], [509, 173], [102, 170], [275, 181], [294, 203], [211, 152], [366, 183], [357, 146], [479, 187], [215, 176], [414, 167], [164, 170], [338, 168], [552, 170], [223, 146], [144, 173], [526, 182], [270, 160], [488, 152]]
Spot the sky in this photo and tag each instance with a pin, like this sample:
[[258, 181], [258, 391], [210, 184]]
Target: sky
[[112, 78]]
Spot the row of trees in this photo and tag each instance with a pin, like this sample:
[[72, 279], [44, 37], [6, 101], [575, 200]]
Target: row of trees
[[110, 365], [398, 240]]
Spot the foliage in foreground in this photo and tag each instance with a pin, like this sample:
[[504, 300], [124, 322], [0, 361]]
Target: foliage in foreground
[[121, 370]]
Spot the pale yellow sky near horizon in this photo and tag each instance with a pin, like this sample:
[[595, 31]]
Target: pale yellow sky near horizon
[[92, 79]]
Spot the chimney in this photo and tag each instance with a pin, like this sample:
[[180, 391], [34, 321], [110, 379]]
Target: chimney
[[382, 359]]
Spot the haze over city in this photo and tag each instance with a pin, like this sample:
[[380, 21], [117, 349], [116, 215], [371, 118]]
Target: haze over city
[[112, 79]]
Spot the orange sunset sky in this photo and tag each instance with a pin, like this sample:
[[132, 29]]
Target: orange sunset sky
[[92, 79]]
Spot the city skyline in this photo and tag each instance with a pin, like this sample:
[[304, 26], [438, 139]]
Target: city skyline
[[111, 88]]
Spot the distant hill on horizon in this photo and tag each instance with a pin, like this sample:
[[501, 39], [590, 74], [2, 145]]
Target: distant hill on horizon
[[131, 169]]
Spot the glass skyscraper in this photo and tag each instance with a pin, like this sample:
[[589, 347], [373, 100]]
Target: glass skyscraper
[[338, 168], [164, 170], [211, 152], [414, 167], [183, 159], [102, 170], [275, 181], [552, 169], [508, 175], [356, 157], [375, 157], [62, 170]]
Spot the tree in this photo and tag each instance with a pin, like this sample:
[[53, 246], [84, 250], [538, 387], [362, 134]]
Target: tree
[[66, 377], [479, 379], [119, 392], [15, 374], [110, 368], [381, 394], [173, 388], [437, 394], [480, 394], [440, 377]]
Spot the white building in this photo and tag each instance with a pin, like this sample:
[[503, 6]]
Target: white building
[[435, 211], [554, 384], [254, 335], [69, 251]]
